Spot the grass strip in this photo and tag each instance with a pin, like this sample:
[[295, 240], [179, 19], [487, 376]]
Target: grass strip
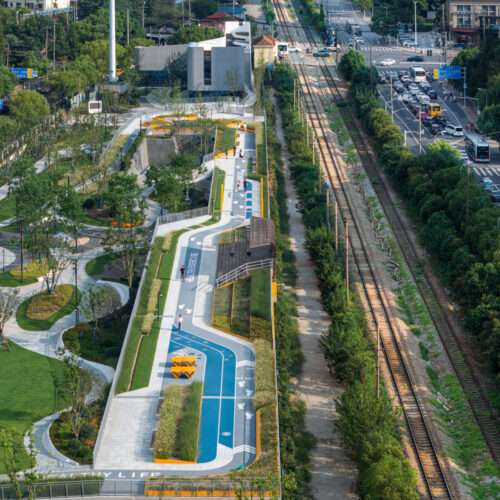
[[265, 393], [240, 321], [221, 315], [6, 279], [189, 426], [36, 325], [218, 182], [260, 304], [170, 414], [33, 270]]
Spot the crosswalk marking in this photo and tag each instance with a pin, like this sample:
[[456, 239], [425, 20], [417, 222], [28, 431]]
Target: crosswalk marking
[[485, 171], [246, 362]]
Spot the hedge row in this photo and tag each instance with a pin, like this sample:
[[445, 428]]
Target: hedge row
[[170, 415], [369, 425]]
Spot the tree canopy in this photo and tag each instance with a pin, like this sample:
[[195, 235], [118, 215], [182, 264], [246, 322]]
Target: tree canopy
[[29, 107], [194, 34], [7, 81]]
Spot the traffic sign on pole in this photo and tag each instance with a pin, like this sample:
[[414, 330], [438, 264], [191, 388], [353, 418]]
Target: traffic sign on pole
[[449, 73]]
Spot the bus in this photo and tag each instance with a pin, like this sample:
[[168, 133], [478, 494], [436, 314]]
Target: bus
[[353, 29], [418, 74], [477, 148], [282, 49], [434, 109]]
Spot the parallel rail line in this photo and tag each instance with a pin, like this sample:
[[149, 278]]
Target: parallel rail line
[[419, 434]]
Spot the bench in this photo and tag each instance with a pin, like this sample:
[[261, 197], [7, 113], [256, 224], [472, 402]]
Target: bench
[[189, 371], [184, 360]]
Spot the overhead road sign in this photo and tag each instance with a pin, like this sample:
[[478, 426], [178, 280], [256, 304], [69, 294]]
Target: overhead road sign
[[448, 73], [24, 72]]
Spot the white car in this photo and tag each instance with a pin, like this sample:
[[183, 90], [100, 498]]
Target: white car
[[387, 62], [293, 48], [408, 98], [409, 43], [454, 130]]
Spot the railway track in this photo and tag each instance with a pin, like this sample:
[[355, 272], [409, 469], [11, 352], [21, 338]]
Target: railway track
[[419, 435]]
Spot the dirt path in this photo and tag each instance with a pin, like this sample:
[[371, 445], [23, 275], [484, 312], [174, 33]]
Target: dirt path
[[334, 475]]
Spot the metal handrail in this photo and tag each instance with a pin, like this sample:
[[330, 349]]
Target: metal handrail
[[188, 214], [242, 270]]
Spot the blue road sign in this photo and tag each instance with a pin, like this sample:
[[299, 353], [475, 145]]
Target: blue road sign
[[450, 72], [1, 103], [20, 72], [495, 26]]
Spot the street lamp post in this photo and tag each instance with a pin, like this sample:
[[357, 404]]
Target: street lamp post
[[76, 293], [485, 96], [415, 4]]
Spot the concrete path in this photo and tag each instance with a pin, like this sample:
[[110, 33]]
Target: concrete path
[[227, 430], [334, 475]]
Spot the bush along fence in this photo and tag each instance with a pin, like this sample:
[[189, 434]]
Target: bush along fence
[[457, 224], [368, 423]]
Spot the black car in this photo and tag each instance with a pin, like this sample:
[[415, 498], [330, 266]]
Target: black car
[[415, 59], [440, 119], [435, 128], [432, 93], [427, 121]]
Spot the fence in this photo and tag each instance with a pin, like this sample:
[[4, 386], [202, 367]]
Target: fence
[[244, 487], [83, 488], [188, 214], [243, 270]]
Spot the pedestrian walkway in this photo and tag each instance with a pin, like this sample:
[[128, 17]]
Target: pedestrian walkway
[[227, 431], [333, 472]]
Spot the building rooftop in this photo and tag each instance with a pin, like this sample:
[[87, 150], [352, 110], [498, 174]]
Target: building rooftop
[[265, 41]]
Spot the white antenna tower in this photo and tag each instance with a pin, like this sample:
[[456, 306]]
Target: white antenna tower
[[112, 40]]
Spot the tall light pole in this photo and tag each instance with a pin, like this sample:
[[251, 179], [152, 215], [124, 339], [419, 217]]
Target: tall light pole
[[112, 39], [415, 3]]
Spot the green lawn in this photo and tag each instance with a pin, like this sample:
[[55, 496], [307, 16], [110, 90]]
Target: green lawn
[[7, 208], [28, 390], [260, 304], [221, 313], [231, 311], [96, 266], [217, 182], [41, 325], [189, 425], [6, 279], [226, 138]]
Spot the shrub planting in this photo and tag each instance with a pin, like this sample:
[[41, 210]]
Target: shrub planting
[[170, 414], [265, 393]]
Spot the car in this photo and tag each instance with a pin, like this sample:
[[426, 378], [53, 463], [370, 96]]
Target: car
[[387, 62], [488, 184], [331, 48], [495, 196], [293, 48], [440, 119], [415, 59], [454, 130], [409, 43], [427, 121], [359, 40], [420, 113], [408, 98], [432, 93], [44, 90], [435, 128], [321, 53], [402, 74]]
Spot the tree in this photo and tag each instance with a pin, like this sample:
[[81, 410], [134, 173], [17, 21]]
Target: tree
[[89, 74], [39, 64], [124, 198], [8, 130], [170, 190], [13, 458], [234, 81], [78, 384], [97, 51], [68, 82], [71, 209], [9, 302], [489, 121], [97, 302], [350, 62], [363, 4], [194, 34], [7, 81], [129, 242], [29, 107]]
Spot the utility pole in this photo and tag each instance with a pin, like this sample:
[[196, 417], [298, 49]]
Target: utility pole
[[22, 244], [144, 6], [336, 227], [415, 3], [189, 11], [347, 259], [128, 28], [54, 47], [8, 53], [371, 69], [419, 130], [47, 42], [112, 42], [76, 10], [328, 208], [467, 197], [465, 84], [378, 359], [294, 88], [182, 2], [392, 100], [76, 293]]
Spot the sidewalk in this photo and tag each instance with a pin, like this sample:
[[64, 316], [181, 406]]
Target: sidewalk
[[227, 431]]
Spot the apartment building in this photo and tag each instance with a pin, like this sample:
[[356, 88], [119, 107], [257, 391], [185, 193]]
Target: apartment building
[[469, 20], [38, 5]]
